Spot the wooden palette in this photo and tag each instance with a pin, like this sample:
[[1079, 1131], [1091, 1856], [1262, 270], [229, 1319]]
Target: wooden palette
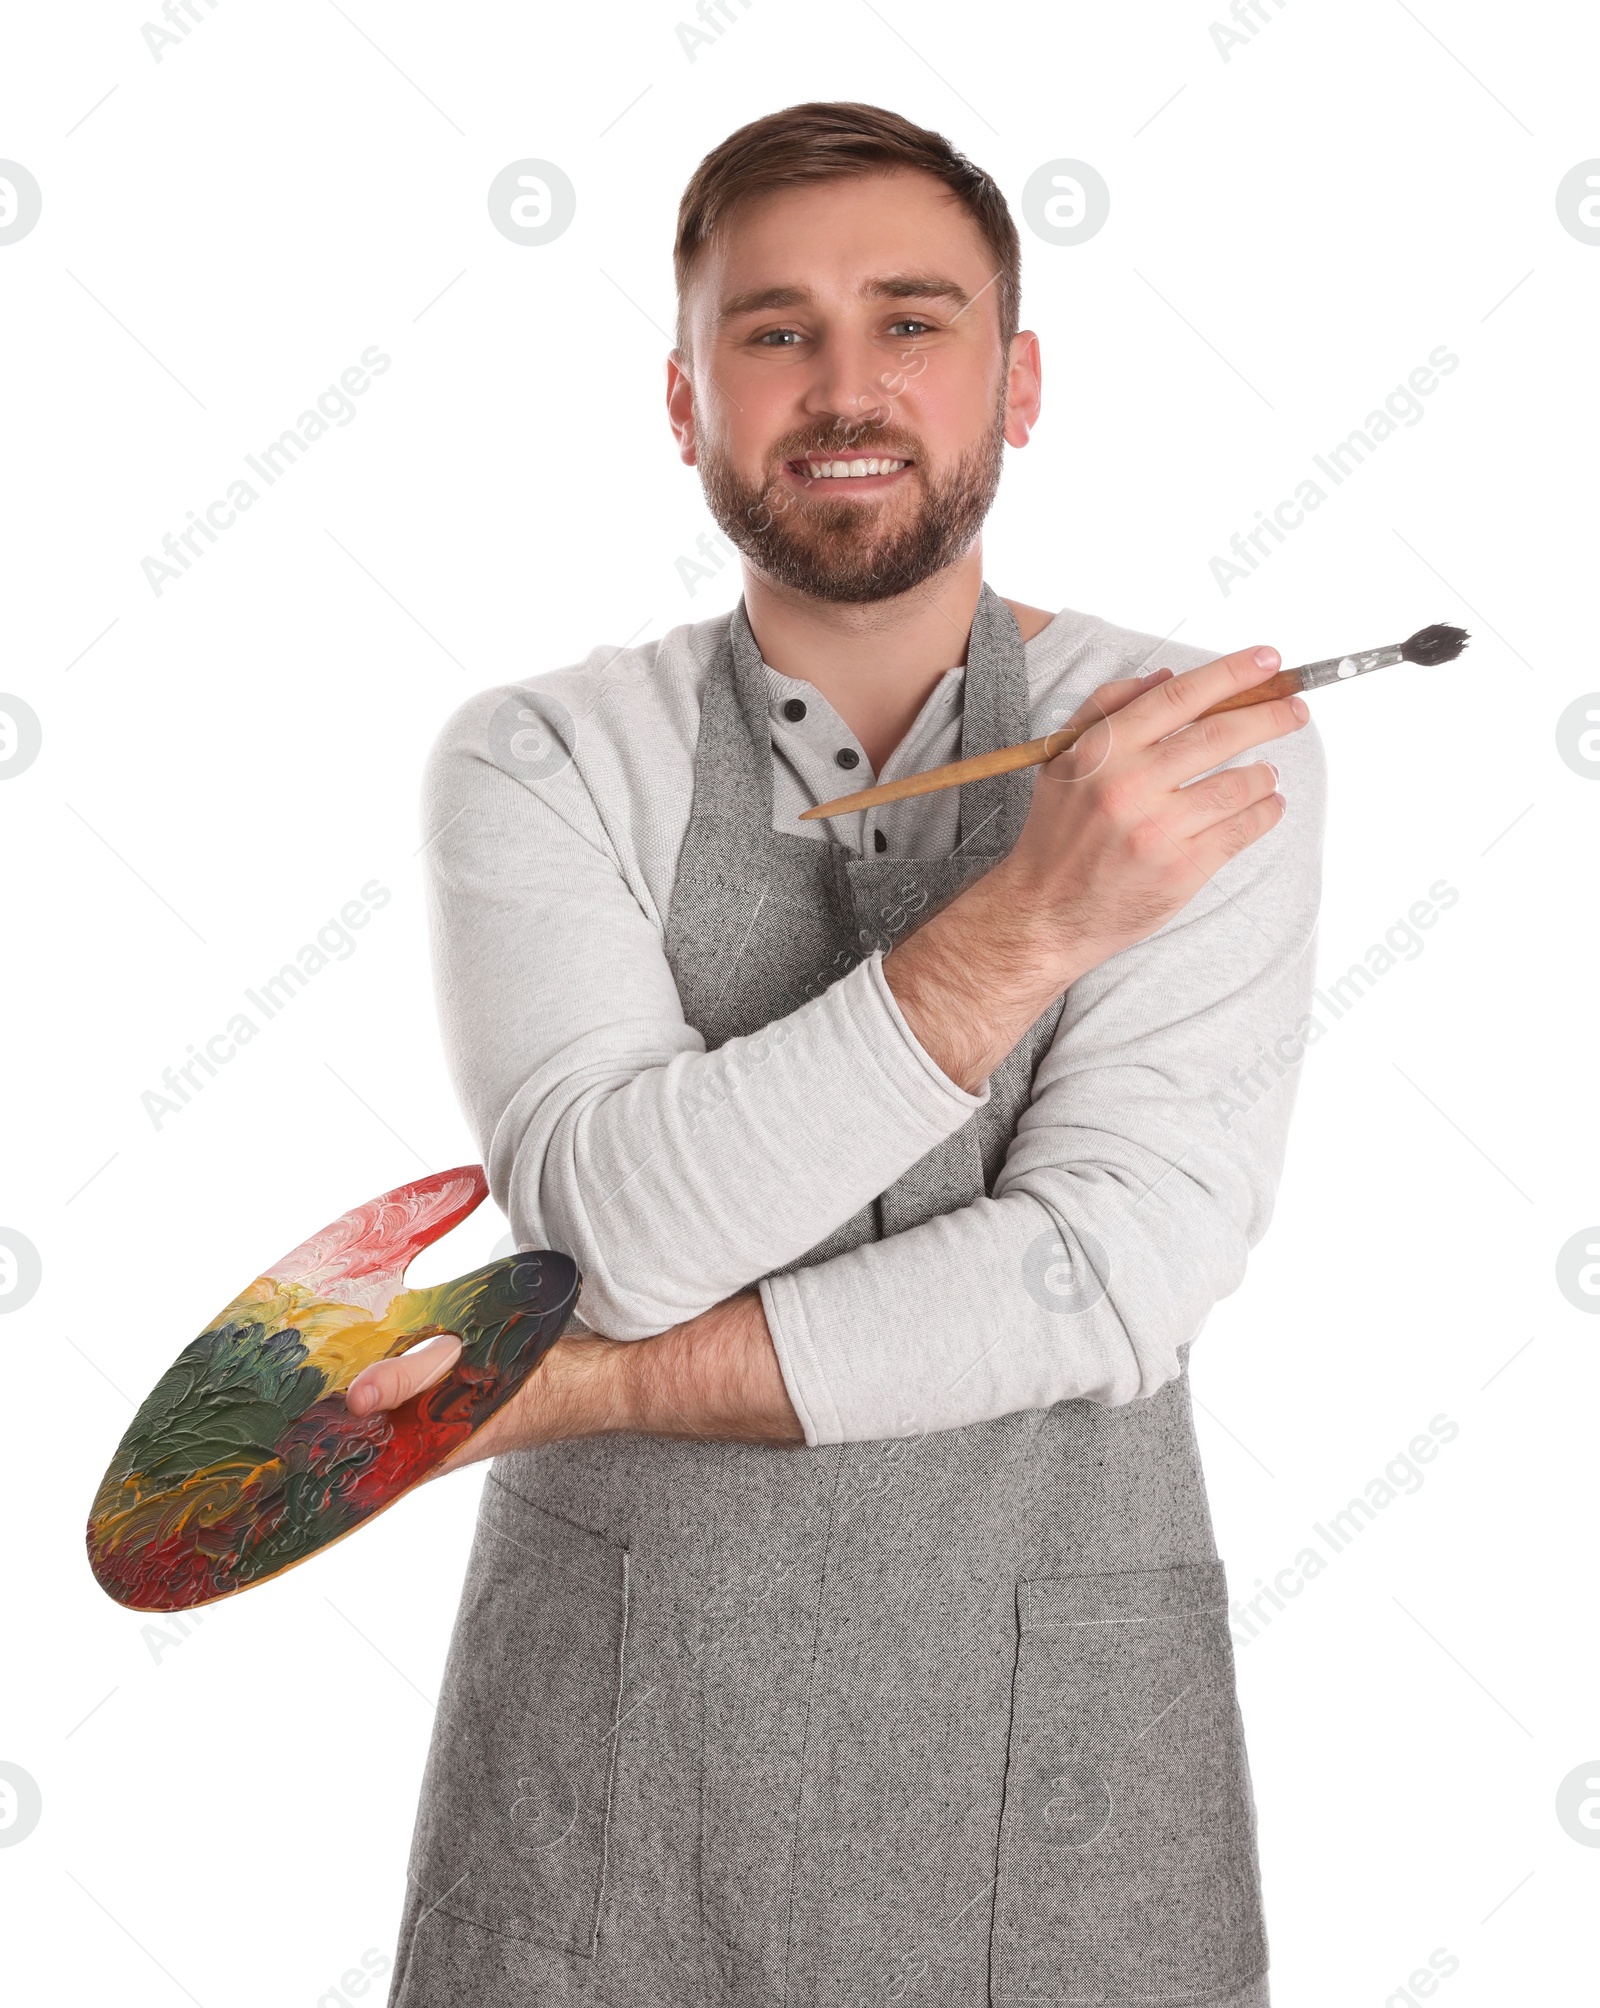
[[245, 1460]]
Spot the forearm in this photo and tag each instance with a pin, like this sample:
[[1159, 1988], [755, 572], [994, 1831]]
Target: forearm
[[715, 1378], [676, 1180], [972, 979]]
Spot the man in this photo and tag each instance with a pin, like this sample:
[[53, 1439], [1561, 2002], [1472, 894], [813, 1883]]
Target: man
[[844, 1621]]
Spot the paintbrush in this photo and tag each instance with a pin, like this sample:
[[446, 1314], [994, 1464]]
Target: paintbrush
[[1429, 646]]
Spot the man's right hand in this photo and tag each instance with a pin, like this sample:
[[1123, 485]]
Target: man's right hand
[[1116, 842]]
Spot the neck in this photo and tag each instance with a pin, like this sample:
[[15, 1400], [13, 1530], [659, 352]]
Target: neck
[[874, 663]]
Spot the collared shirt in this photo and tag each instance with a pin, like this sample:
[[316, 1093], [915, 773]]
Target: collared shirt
[[676, 1177], [816, 758]]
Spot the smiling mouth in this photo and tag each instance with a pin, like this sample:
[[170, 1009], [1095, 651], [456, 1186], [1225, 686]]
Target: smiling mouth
[[861, 469]]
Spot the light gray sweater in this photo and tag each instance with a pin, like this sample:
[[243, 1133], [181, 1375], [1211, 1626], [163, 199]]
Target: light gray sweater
[[675, 1177]]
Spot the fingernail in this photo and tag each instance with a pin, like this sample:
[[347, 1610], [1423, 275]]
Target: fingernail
[[1300, 708], [1276, 776], [1268, 658]]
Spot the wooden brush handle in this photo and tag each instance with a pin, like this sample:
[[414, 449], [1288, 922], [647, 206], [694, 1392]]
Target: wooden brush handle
[[1285, 684], [1030, 753]]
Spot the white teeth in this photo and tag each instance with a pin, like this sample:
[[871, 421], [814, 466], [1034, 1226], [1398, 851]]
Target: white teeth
[[845, 470]]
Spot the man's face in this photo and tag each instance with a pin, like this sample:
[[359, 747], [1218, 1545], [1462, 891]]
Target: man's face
[[834, 329]]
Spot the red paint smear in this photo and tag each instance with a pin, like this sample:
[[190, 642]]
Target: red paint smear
[[380, 1237]]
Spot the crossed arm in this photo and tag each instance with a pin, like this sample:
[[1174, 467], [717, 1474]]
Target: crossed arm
[[1120, 839]]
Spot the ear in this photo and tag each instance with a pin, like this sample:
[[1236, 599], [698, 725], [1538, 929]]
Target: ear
[[1023, 388], [680, 405]]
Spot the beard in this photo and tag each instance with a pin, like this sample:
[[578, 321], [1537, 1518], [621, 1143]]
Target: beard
[[829, 547]]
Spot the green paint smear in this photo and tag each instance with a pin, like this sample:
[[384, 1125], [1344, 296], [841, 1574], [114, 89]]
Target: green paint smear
[[227, 1398]]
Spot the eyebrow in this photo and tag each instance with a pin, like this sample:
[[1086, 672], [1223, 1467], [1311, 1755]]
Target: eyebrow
[[898, 286]]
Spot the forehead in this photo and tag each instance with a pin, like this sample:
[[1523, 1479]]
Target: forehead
[[834, 243]]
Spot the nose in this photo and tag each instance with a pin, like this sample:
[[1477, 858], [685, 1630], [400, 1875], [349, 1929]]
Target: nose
[[844, 387]]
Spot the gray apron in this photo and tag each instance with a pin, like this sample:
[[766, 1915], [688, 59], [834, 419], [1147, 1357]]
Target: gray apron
[[947, 1719]]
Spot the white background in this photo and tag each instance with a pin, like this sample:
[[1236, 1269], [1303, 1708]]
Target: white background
[[1292, 231]]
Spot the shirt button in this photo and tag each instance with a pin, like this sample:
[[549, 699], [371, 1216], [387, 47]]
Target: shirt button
[[794, 710], [847, 756], [879, 841]]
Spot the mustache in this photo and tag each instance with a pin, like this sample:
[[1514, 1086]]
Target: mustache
[[861, 441]]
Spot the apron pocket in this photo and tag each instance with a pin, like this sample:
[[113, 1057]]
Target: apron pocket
[[1128, 1837], [511, 1828]]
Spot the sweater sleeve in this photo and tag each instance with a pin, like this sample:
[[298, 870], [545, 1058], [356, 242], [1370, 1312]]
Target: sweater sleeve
[[673, 1177], [1143, 1171]]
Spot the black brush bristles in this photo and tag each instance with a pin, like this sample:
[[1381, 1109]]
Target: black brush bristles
[[1433, 645]]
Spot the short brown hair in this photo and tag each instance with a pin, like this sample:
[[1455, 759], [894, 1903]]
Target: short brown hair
[[835, 142]]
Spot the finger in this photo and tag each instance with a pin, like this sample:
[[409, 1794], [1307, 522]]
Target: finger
[[1212, 848], [1167, 706], [1195, 808], [1210, 742], [388, 1383]]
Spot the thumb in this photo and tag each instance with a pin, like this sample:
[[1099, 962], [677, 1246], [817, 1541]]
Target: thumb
[[388, 1383]]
